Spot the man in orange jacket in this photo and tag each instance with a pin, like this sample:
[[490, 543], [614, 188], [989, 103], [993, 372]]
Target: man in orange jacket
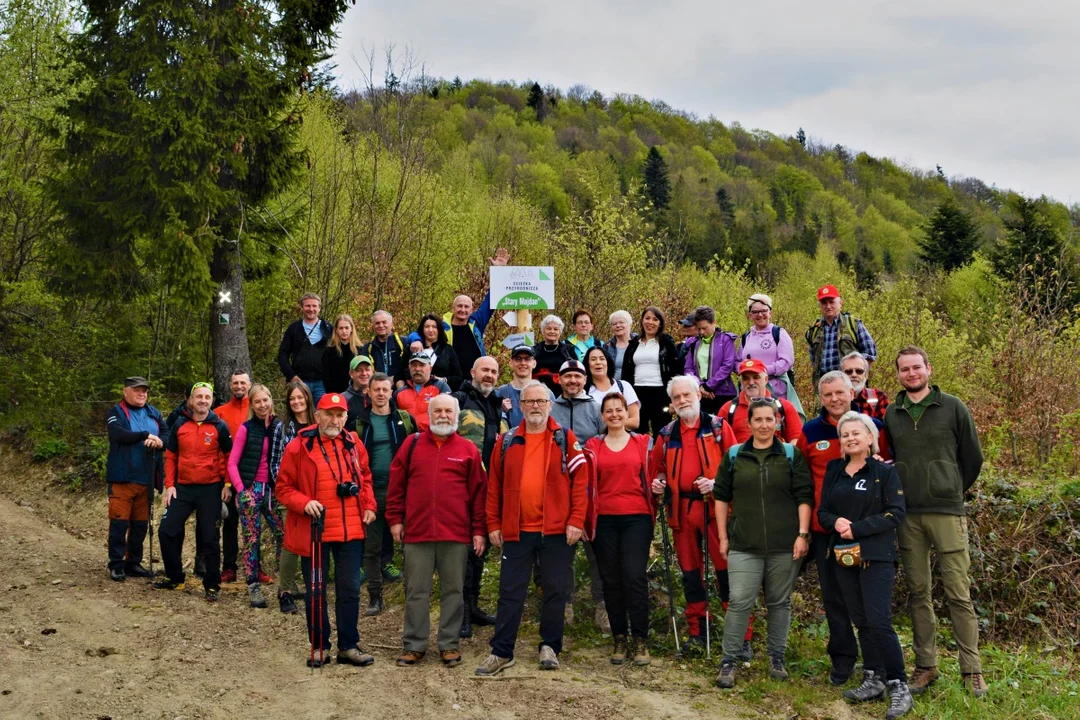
[[536, 505], [234, 413], [325, 474], [754, 377], [194, 483]]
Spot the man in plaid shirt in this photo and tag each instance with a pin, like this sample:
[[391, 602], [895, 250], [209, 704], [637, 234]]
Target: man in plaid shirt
[[835, 334], [868, 401]]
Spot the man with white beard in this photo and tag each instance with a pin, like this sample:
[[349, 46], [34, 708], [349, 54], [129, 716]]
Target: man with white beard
[[436, 507], [868, 401], [687, 455]]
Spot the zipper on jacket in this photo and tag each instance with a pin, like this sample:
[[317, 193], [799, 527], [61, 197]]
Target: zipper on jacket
[[763, 477]]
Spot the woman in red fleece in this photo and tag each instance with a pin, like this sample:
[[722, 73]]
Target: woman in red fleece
[[625, 511], [325, 474]]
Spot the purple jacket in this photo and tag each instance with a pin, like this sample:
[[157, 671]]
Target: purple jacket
[[721, 363], [778, 360]]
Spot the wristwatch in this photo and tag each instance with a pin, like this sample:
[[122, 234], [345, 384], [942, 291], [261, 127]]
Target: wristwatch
[[804, 535]]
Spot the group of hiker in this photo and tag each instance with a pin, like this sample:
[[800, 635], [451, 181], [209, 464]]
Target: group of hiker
[[411, 441]]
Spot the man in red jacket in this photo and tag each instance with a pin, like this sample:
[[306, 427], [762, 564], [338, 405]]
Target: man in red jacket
[[325, 474], [194, 483], [536, 503], [754, 377], [436, 507]]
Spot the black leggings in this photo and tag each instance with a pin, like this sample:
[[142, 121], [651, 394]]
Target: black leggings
[[654, 413], [622, 552]]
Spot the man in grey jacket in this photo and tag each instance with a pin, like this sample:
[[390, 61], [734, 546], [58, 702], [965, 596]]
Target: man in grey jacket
[[576, 409], [936, 447]]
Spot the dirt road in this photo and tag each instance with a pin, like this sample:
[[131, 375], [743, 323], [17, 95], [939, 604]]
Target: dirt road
[[76, 645]]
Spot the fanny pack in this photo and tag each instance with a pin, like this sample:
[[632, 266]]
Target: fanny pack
[[849, 555]]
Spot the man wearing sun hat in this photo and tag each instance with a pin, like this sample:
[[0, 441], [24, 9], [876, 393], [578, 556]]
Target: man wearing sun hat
[[136, 429], [754, 376], [835, 334]]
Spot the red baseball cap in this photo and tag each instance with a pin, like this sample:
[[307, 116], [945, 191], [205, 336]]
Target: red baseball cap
[[827, 291], [754, 366], [333, 401]]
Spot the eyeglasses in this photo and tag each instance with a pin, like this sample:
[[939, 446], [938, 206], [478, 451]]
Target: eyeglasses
[[206, 385], [855, 371], [760, 312], [535, 403]]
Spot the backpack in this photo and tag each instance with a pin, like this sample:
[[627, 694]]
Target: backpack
[[508, 439], [789, 453], [717, 430], [776, 341]]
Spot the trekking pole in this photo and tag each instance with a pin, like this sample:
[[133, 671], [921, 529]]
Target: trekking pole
[[151, 462], [317, 591], [708, 638], [667, 570]]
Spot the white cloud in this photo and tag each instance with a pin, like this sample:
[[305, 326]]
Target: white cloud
[[986, 89]]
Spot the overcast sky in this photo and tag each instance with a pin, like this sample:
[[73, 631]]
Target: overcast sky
[[987, 89]]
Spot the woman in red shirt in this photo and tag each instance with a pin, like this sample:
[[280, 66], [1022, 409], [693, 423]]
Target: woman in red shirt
[[624, 512]]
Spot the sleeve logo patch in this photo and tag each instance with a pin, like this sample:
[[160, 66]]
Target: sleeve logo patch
[[822, 445]]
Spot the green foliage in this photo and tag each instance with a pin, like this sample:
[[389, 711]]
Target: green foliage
[[1034, 253], [657, 184], [50, 449], [951, 238]]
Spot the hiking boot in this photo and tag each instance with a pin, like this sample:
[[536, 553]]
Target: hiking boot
[[375, 603], [450, 658], [288, 605], [840, 674], [167, 584], [410, 657], [976, 684], [479, 617], [548, 659], [600, 617], [317, 659], [117, 575], [228, 576], [777, 671], [212, 594], [871, 689], [695, 644], [137, 571], [568, 614], [746, 655], [900, 701], [200, 566], [466, 621], [355, 656], [641, 652], [255, 596], [618, 653], [921, 679], [390, 572], [493, 665], [726, 677]]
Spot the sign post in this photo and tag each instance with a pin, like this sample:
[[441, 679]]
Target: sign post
[[521, 289]]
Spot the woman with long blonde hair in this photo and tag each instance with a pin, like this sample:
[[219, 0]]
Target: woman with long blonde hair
[[249, 473], [344, 345]]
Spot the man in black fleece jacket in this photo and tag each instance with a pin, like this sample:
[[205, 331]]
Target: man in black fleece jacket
[[301, 350]]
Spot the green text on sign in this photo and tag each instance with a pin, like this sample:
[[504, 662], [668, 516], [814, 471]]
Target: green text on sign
[[522, 300]]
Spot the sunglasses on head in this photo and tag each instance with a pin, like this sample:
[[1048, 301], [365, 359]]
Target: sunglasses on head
[[206, 385]]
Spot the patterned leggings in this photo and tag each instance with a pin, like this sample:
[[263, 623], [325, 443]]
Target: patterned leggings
[[254, 505]]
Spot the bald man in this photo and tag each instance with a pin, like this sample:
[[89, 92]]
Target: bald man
[[465, 323], [483, 416]]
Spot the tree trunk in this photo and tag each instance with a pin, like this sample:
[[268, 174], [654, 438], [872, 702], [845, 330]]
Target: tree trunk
[[228, 325]]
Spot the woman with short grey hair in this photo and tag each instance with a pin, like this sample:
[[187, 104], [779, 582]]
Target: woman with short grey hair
[[551, 352], [620, 322]]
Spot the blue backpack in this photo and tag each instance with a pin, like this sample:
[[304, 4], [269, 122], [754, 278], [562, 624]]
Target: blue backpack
[[789, 453]]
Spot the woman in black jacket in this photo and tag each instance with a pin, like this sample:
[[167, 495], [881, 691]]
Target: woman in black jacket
[[344, 345], [551, 352], [650, 361], [444, 364], [862, 504]]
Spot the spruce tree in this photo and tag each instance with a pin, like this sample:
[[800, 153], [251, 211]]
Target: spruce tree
[[801, 137], [952, 237], [657, 184], [1034, 254], [537, 101], [189, 125]]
